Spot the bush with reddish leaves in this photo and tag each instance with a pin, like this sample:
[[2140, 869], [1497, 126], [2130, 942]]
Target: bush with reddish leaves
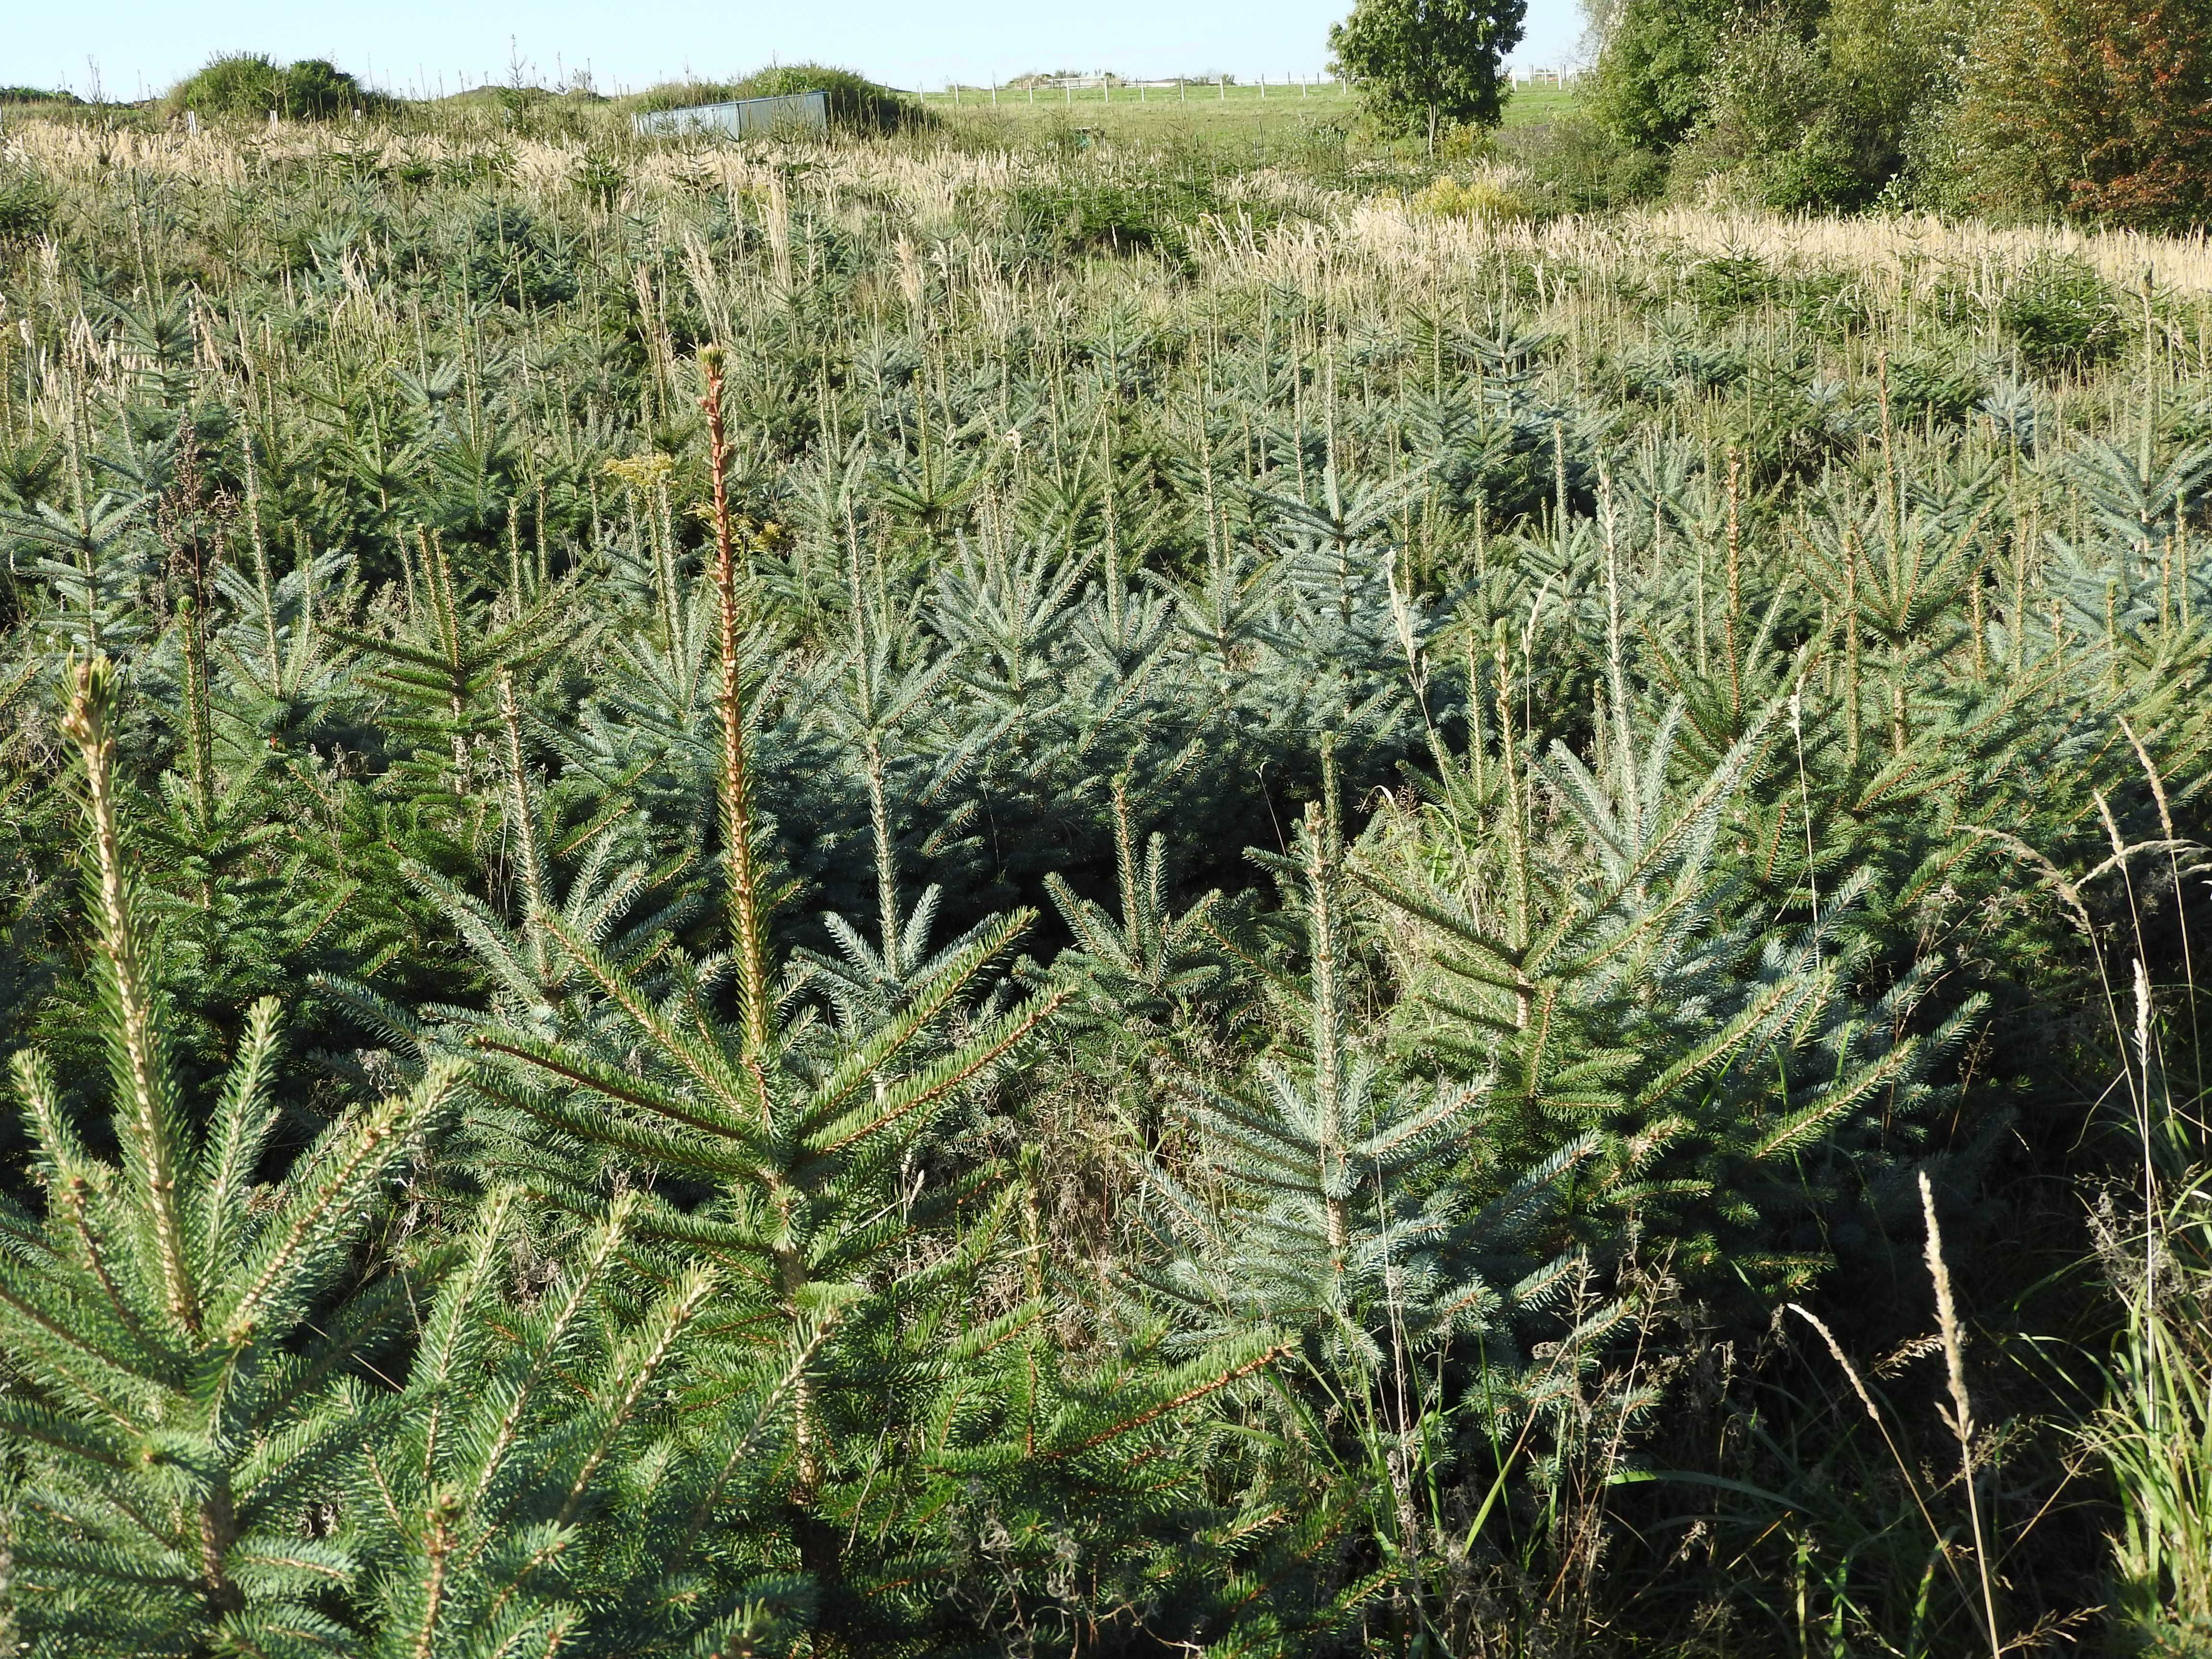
[[2101, 108]]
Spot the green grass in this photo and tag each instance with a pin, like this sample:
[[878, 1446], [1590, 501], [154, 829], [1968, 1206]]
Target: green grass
[[1533, 105], [1241, 112]]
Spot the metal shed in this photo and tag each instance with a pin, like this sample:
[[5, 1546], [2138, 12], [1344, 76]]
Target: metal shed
[[741, 115]]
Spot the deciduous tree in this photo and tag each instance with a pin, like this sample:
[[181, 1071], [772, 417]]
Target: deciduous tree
[[2100, 106], [1433, 60]]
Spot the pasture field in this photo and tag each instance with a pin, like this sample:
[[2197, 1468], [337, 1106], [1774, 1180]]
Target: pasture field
[[1244, 113], [956, 894]]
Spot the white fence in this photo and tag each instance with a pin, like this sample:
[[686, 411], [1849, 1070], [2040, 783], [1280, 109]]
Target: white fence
[[1111, 88]]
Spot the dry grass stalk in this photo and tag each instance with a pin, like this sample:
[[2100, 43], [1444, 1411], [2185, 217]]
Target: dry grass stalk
[[1960, 1418]]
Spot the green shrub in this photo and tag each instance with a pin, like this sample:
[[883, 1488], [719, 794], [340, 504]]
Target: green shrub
[[2097, 108], [1576, 164], [27, 206], [508, 257], [1491, 198], [1672, 364], [1730, 282], [602, 178], [1933, 385], [1112, 216], [1826, 109], [1651, 84], [251, 84], [2060, 314], [1832, 303], [856, 103]]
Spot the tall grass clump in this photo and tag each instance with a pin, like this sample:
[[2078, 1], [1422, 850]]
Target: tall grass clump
[[2155, 1430]]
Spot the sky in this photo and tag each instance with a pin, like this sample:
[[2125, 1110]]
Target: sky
[[135, 47]]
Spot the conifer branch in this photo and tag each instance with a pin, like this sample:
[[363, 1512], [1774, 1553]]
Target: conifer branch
[[748, 920], [142, 1069]]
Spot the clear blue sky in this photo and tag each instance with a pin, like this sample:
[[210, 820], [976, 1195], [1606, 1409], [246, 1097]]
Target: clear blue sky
[[407, 44]]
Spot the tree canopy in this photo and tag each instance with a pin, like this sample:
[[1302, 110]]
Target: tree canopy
[[1429, 61], [251, 84], [2100, 109], [2099, 106]]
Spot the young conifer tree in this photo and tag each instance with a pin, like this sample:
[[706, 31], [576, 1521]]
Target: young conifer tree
[[175, 1322], [1337, 1217], [777, 1156], [524, 1495]]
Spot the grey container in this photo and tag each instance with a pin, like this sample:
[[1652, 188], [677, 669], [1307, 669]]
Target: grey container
[[793, 111]]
